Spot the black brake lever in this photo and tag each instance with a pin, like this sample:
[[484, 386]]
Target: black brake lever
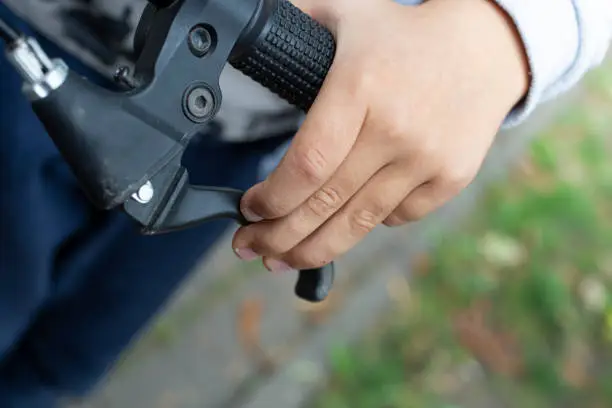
[[190, 205], [133, 158]]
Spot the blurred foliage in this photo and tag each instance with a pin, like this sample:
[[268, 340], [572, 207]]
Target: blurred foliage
[[516, 309]]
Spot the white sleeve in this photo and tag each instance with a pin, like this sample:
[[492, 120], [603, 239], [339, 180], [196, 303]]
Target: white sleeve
[[563, 39]]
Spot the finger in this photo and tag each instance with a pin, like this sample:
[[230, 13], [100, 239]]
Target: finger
[[368, 208], [323, 142], [422, 201], [278, 236]]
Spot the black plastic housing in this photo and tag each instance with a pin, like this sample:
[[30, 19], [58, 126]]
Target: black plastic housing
[[115, 142]]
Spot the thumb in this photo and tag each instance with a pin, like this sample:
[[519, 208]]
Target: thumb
[[325, 12]]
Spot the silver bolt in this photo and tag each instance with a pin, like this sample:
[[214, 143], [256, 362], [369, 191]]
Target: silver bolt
[[145, 193], [200, 102], [200, 41]]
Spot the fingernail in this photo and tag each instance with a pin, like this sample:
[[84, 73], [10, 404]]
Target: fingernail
[[276, 266], [251, 216], [246, 254]]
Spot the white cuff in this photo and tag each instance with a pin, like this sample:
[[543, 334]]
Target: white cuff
[[551, 36]]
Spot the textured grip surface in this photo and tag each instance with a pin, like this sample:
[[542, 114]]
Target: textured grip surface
[[291, 57]]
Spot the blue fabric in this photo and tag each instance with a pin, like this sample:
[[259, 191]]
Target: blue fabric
[[77, 284]]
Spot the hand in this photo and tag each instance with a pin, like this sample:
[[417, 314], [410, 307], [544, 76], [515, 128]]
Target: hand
[[407, 113]]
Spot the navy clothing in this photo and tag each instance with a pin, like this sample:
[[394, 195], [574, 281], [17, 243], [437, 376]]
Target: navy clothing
[[76, 284]]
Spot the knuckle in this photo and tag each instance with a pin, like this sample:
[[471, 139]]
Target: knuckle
[[406, 137], [456, 179], [405, 141], [366, 81], [311, 163], [431, 149], [396, 130], [325, 201], [427, 150], [364, 220]]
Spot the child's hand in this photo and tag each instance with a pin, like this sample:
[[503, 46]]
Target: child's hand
[[402, 124]]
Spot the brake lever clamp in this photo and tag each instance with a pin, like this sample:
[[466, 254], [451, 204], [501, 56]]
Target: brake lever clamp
[[134, 161]]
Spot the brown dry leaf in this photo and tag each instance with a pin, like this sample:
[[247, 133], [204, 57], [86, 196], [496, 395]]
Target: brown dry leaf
[[319, 313], [575, 365], [421, 264], [527, 168], [250, 316], [496, 351]]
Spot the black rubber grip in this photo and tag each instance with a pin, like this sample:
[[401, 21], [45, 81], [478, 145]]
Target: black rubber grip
[[291, 55]]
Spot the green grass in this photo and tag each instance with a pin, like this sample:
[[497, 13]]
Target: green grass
[[523, 293]]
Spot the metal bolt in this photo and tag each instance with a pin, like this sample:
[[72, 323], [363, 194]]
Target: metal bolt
[[145, 194], [200, 41], [200, 103]]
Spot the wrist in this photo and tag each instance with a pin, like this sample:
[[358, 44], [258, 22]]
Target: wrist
[[490, 40], [518, 60]]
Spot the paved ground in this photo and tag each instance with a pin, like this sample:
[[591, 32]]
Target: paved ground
[[193, 357]]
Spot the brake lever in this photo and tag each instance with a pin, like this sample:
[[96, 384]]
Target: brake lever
[[133, 161], [186, 206]]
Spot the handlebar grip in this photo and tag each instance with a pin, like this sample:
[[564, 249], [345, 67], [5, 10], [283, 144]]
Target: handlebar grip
[[290, 53]]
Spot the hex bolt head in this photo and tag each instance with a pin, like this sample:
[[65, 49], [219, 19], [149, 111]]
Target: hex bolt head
[[199, 103], [200, 41]]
